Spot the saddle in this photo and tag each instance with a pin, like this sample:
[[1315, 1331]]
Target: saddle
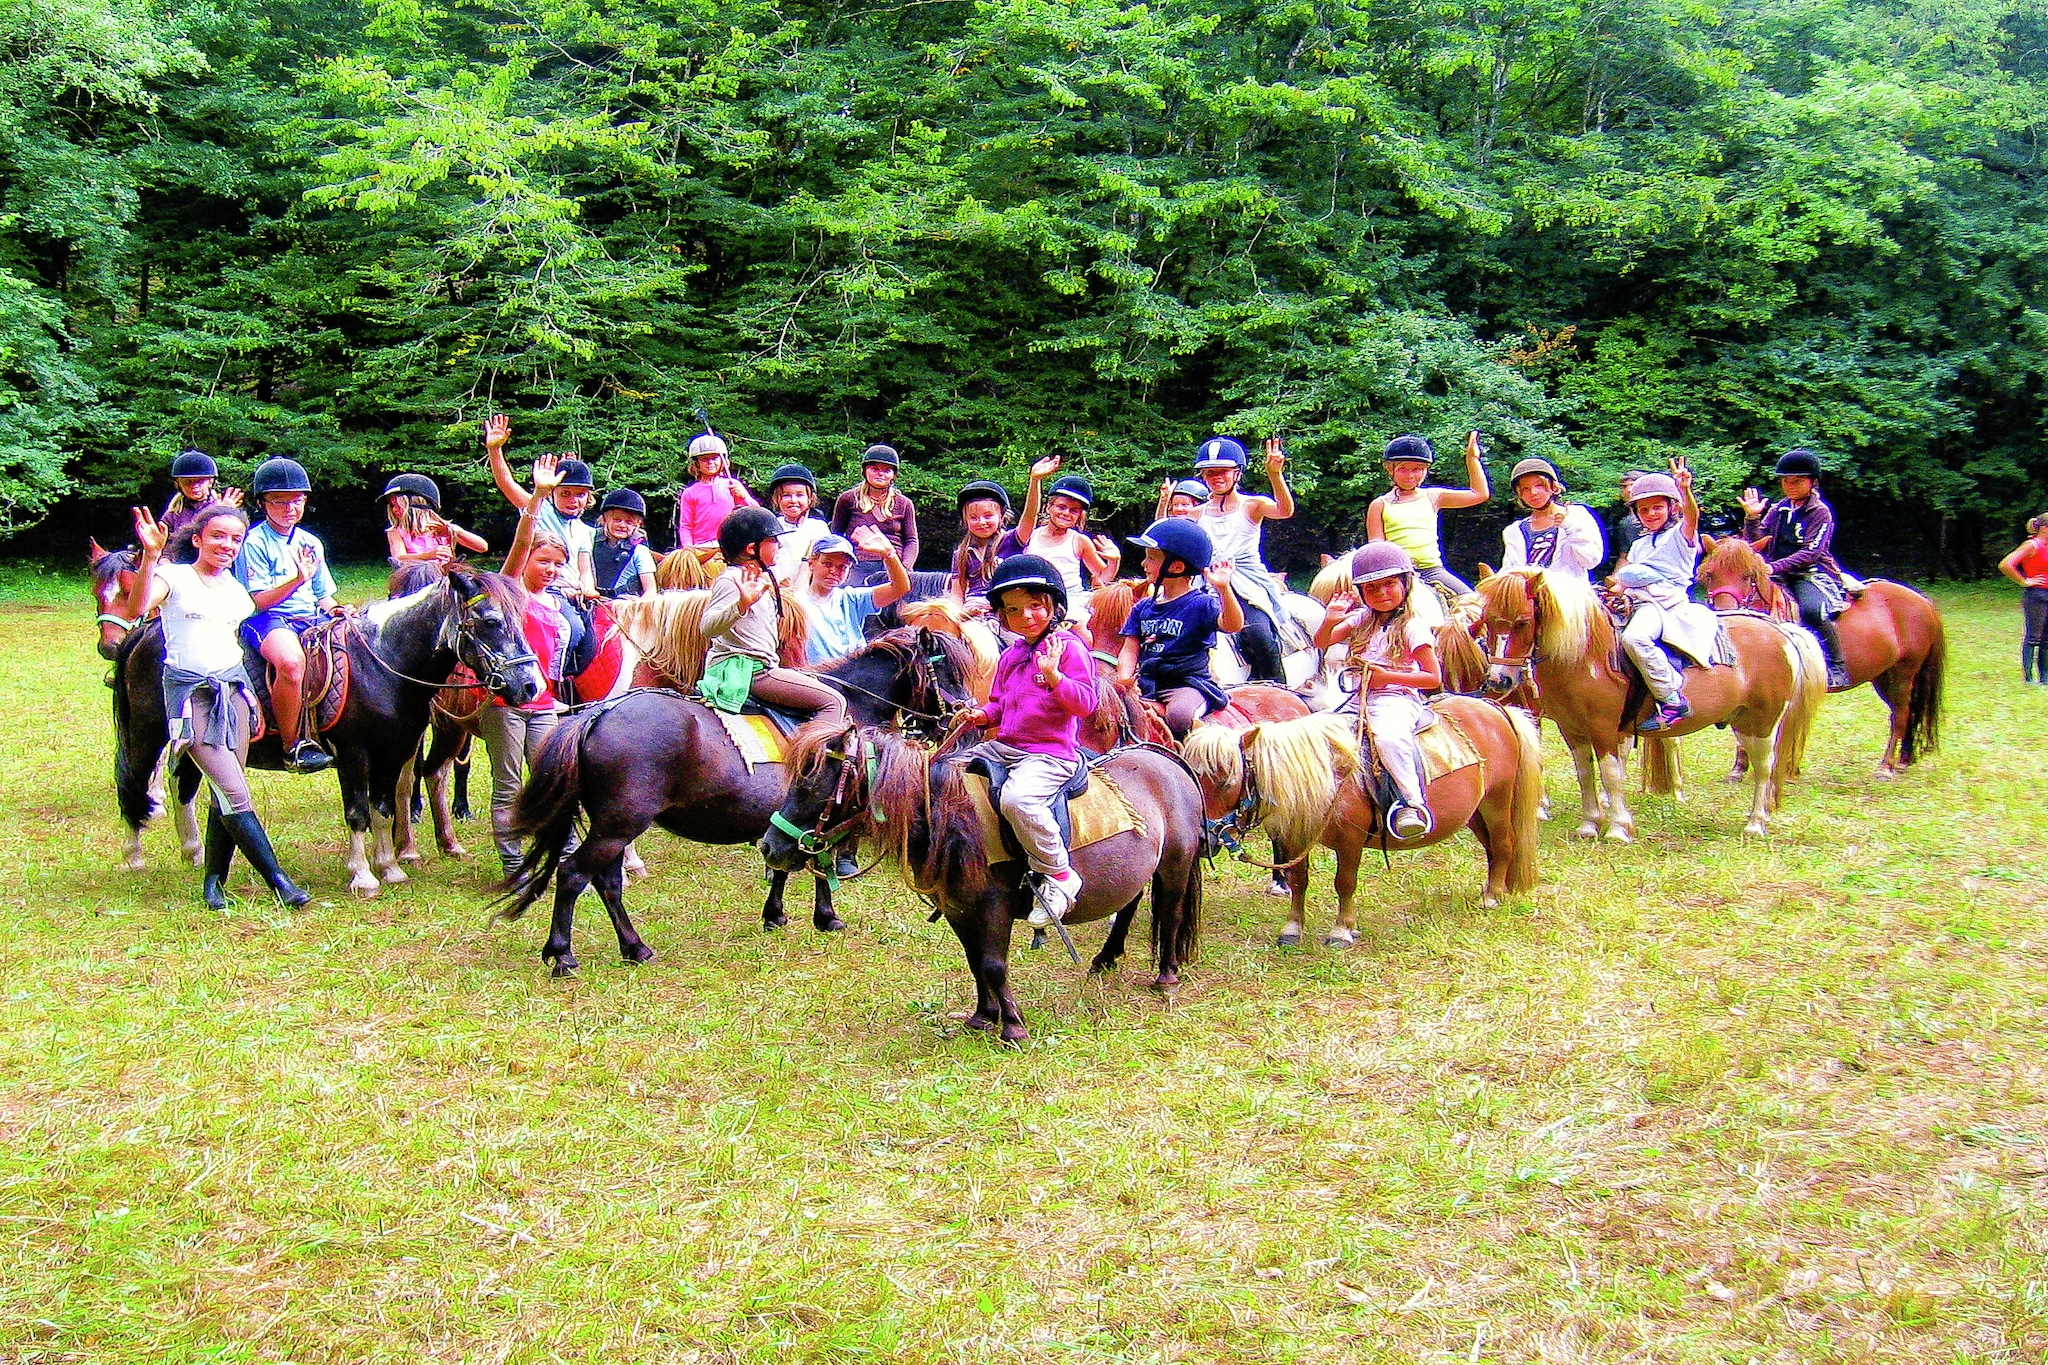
[[759, 732], [324, 689]]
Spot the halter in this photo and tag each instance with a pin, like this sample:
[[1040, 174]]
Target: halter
[[815, 842], [924, 684], [496, 665], [1521, 666], [107, 618]]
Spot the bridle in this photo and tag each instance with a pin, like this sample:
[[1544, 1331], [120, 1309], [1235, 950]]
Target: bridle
[[858, 765], [924, 687], [497, 665], [1522, 667]]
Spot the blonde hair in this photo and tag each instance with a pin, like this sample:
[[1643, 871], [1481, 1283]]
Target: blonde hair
[[414, 519], [865, 500], [1373, 624]]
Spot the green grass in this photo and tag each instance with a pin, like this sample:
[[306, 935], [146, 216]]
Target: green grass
[[1701, 1099]]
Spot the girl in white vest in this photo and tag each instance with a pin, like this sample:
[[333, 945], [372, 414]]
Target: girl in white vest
[[1234, 520]]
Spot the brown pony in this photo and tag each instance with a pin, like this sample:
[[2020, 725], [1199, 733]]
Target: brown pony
[[1555, 627], [1892, 638], [874, 783], [1301, 779]]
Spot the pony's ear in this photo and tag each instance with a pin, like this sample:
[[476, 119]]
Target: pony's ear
[[1327, 559], [93, 549], [1246, 736], [1707, 543], [1486, 571]]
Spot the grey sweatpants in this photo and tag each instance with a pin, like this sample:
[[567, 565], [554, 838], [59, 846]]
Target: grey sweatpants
[[1639, 639], [226, 768], [512, 738], [1027, 804]]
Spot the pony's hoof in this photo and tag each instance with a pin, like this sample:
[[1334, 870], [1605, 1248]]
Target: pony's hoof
[[831, 924], [134, 862], [1887, 772], [1014, 1035], [455, 851], [1165, 981], [638, 954], [980, 1023], [1489, 902], [1339, 941], [394, 875], [1290, 940], [1755, 830], [1101, 965], [409, 856], [1619, 835], [1543, 811], [774, 922], [1037, 940], [1589, 830], [565, 966], [364, 887], [196, 857]]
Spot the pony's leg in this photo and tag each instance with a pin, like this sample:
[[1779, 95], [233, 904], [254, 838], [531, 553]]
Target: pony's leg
[[1277, 884], [1113, 946], [609, 877], [444, 819], [402, 837], [1344, 932], [1621, 826], [383, 847], [1592, 805], [772, 916], [185, 813], [971, 927], [1297, 902], [355, 809], [824, 918], [1896, 697], [570, 879], [995, 970], [1763, 767]]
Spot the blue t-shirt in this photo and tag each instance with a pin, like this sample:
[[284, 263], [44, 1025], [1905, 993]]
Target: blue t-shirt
[[268, 559], [836, 623], [1174, 638], [579, 535]]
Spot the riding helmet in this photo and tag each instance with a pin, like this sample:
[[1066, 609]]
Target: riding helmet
[[1192, 488], [1653, 486], [983, 490], [1381, 559], [1075, 487], [792, 473], [880, 454], [194, 464], [1219, 452], [1181, 541], [708, 443], [279, 476], [1028, 571], [623, 500], [575, 473], [1797, 463], [744, 528], [1409, 450], [1532, 466], [414, 487]]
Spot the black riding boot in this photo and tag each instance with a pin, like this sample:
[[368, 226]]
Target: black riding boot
[[220, 854], [255, 846], [1831, 650]]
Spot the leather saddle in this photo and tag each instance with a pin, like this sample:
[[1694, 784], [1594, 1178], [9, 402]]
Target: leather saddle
[[324, 687], [981, 760], [786, 723]]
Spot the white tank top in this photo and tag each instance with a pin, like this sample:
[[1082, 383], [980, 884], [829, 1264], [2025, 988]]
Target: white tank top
[[1063, 552], [200, 617], [1235, 536]]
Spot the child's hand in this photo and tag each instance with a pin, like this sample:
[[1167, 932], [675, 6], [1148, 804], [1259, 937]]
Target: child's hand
[[1472, 450], [150, 532], [1219, 575], [1049, 659], [231, 496], [871, 540], [1166, 487], [1342, 604], [547, 474], [1046, 467], [309, 562], [1681, 473], [1107, 548], [497, 431], [1752, 503], [977, 717], [753, 584], [1276, 458]]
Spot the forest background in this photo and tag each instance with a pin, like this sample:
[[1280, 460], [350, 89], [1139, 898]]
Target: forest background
[[1603, 232]]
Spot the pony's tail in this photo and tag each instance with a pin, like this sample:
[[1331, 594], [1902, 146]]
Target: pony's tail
[[1809, 690], [1526, 801], [1923, 708], [1663, 769], [546, 813], [1462, 661], [1187, 920], [1299, 763]]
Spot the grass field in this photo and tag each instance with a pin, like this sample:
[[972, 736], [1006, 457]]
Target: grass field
[[1701, 1099]]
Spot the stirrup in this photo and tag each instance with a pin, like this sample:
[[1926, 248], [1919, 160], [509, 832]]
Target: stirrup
[[1428, 822], [303, 762], [1049, 901]]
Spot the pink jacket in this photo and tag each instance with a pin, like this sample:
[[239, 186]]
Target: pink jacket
[[704, 505], [1038, 719]]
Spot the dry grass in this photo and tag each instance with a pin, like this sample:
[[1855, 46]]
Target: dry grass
[[1702, 1099]]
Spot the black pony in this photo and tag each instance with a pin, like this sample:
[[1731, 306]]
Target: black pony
[[399, 653], [656, 757]]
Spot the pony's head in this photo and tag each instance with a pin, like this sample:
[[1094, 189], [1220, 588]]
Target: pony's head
[[1734, 576], [911, 675], [1108, 608], [1529, 614], [113, 573], [684, 570], [486, 631], [1333, 578], [413, 575], [947, 616]]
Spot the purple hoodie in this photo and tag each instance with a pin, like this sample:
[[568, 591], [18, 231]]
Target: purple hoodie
[[1038, 719]]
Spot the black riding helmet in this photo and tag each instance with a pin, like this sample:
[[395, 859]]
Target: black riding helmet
[[194, 464], [1028, 571], [1797, 464], [982, 490], [743, 529], [791, 473], [279, 476], [416, 487], [623, 500]]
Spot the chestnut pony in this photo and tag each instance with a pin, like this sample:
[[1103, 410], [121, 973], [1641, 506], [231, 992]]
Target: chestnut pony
[[1892, 638]]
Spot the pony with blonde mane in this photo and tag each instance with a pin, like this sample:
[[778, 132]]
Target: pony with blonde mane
[[1892, 638], [948, 616], [684, 570], [1553, 627], [1302, 779]]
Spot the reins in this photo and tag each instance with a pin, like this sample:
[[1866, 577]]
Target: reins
[[493, 680]]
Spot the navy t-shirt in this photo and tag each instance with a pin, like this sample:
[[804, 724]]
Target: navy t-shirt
[[1174, 637]]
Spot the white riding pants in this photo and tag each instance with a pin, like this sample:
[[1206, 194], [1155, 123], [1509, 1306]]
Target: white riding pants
[[1639, 638], [1027, 804]]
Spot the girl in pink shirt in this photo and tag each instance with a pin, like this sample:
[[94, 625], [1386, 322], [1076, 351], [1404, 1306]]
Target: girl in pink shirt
[[705, 504]]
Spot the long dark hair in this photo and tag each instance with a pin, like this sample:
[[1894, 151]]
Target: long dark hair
[[184, 546]]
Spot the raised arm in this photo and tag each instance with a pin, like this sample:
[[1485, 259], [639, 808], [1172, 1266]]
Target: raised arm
[[1027, 520], [146, 592], [1688, 505], [1281, 505], [1475, 476], [497, 434], [546, 479]]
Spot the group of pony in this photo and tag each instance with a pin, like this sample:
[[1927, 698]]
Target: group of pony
[[638, 750]]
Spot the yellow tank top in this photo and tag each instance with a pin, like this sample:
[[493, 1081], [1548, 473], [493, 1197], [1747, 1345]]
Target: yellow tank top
[[1412, 526]]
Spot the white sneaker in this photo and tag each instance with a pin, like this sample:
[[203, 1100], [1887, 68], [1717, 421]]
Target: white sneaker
[[1410, 822], [1054, 896]]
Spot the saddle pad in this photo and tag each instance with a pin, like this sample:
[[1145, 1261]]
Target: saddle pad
[[1097, 814], [1446, 748], [756, 737], [1696, 632], [323, 688]]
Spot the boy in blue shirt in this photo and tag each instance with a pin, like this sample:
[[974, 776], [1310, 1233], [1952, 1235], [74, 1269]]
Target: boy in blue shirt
[[837, 614], [278, 551], [1169, 634]]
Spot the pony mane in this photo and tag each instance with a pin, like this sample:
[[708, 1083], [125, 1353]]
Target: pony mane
[[1108, 608], [1298, 764], [412, 576], [1733, 558], [668, 630], [109, 563], [1572, 624], [902, 644], [680, 570], [919, 810], [1459, 657], [947, 616], [1332, 578], [1213, 754]]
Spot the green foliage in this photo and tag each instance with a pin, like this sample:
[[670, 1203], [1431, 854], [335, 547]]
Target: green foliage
[[986, 230]]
